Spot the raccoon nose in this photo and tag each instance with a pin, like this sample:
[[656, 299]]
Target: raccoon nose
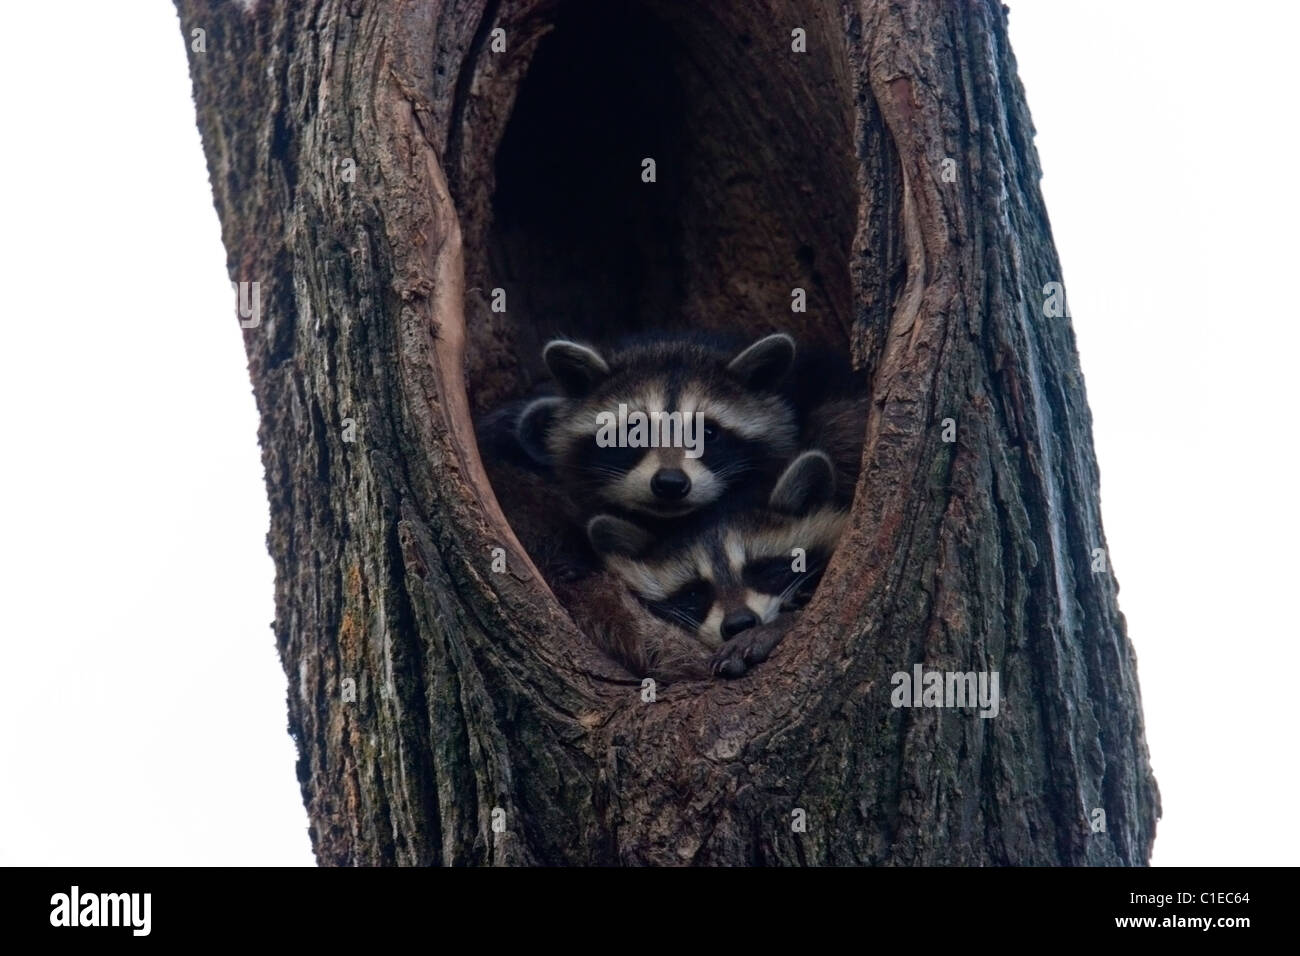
[[738, 621], [670, 483]]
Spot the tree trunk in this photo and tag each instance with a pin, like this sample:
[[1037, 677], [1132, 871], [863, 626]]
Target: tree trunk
[[889, 171]]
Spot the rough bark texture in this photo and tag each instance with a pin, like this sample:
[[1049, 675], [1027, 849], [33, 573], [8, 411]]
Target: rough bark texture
[[478, 702]]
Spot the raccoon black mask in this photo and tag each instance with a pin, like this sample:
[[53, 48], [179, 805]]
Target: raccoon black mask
[[740, 570], [663, 428]]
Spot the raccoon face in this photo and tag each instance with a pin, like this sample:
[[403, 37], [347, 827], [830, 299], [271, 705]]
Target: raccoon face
[[666, 428], [739, 571]]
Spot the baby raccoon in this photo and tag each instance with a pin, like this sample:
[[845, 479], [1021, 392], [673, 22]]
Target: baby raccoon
[[739, 571], [663, 428], [838, 427], [621, 627]]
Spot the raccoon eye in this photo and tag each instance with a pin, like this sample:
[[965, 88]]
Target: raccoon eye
[[770, 575], [615, 458], [687, 606], [722, 447], [697, 595]]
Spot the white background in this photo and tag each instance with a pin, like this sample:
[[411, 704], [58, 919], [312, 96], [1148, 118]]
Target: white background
[[142, 708]]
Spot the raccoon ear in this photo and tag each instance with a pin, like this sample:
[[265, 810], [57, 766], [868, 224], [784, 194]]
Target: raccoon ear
[[578, 368], [765, 363], [806, 483], [533, 424], [610, 535]]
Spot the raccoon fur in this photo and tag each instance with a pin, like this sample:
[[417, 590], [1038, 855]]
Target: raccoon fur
[[551, 477], [526, 490], [750, 427], [620, 626], [838, 427], [737, 573]]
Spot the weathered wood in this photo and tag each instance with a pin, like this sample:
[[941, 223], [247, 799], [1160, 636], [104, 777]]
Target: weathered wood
[[826, 170]]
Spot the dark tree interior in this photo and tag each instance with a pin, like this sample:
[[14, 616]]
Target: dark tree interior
[[754, 164]]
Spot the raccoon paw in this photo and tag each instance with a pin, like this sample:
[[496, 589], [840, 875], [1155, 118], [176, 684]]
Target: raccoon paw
[[745, 650], [796, 601]]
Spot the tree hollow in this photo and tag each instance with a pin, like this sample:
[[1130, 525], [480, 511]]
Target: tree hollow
[[753, 193]]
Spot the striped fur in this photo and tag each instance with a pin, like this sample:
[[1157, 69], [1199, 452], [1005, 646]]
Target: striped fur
[[739, 570], [751, 427]]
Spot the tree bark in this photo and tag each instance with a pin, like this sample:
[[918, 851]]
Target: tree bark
[[890, 172]]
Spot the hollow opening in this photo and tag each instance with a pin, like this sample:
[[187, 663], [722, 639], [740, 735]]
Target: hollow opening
[[580, 240], [753, 193], [748, 205]]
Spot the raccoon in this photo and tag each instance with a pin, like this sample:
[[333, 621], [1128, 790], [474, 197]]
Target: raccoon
[[737, 573], [525, 487], [624, 630], [838, 427], [747, 427]]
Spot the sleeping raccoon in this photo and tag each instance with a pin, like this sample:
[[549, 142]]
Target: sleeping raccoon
[[745, 429], [621, 627], [738, 572]]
